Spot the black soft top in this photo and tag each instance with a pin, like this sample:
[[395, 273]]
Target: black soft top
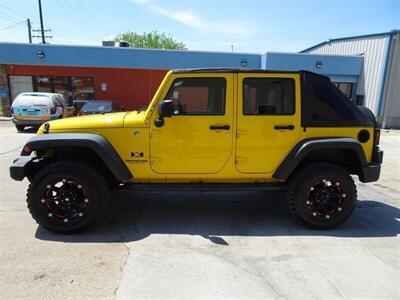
[[240, 70], [322, 105]]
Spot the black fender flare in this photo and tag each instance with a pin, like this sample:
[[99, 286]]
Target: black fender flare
[[297, 154], [95, 142]]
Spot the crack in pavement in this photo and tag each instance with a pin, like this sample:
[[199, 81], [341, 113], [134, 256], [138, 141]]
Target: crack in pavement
[[12, 150], [122, 267]]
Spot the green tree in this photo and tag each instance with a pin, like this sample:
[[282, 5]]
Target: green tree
[[152, 39]]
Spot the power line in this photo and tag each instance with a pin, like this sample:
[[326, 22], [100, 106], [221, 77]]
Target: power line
[[94, 24], [95, 29], [11, 26], [79, 23], [14, 11], [11, 18]]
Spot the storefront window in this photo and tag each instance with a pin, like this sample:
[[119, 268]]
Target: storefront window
[[62, 85], [82, 88], [73, 88], [43, 84], [20, 84]]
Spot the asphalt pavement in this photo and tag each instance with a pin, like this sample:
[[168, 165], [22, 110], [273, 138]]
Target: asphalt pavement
[[202, 245]]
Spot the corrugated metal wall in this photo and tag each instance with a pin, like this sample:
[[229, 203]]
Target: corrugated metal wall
[[391, 97], [374, 50]]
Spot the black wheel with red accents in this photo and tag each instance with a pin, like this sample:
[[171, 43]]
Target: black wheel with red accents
[[322, 195], [67, 196]]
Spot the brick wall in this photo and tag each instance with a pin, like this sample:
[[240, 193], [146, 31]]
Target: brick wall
[[4, 93]]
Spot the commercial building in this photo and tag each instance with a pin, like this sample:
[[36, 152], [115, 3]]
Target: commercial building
[[131, 76], [379, 82]]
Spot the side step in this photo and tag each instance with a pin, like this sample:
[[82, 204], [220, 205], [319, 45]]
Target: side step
[[206, 187]]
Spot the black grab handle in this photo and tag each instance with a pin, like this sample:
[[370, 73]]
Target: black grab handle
[[284, 127], [222, 127]]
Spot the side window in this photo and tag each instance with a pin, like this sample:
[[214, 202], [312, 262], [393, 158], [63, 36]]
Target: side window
[[268, 96], [328, 106], [198, 96], [57, 101], [62, 100]]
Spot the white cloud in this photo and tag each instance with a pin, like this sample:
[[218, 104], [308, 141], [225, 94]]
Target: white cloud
[[189, 18], [185, 17]]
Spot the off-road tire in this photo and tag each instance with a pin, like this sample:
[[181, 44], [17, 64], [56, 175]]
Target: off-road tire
[[302, 182], [89, 179], [20, 128]]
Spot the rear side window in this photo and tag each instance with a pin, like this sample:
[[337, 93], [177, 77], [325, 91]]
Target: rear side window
[[268, 96], [57, 101], [328, 106], [198, 96], [324, 105]]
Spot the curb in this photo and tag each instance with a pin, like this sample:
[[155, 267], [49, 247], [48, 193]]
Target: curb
[[5, 119]]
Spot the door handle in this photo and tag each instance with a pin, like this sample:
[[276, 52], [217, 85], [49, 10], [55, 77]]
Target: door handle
[[220, 127], [284, 127]]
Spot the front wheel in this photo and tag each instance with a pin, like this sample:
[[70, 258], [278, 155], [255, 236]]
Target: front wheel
[[67, 196], [322, 195], [20, 128]]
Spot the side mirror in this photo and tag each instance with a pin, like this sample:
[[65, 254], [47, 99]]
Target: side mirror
[[165, 110]]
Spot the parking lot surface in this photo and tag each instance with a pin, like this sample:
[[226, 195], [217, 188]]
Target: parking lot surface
[[202, 245]]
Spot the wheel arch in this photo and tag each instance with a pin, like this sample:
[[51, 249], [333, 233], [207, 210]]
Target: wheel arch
[[344, 152], [90, 148]]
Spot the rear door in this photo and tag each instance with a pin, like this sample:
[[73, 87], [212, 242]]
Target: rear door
[[30, 108], [268, 120]]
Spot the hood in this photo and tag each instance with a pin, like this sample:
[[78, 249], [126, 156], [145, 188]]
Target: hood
[[111, 120]]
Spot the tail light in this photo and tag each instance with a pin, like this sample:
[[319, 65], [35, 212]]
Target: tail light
[[377, 136], [53, 110]]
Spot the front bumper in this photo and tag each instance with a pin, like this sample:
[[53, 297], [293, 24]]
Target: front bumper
[[372, 171], [18, 170]]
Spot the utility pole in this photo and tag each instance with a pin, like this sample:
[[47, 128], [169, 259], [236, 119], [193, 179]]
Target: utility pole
[[29, 31], [41, 30], [41, 21]]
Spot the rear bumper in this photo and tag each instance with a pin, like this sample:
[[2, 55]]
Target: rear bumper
[[28, 122], [372, 171], [18, 169]]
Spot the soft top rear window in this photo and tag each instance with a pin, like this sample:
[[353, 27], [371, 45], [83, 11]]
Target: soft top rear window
[[324, 105]]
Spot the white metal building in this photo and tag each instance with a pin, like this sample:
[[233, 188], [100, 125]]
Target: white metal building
[[378, 87]]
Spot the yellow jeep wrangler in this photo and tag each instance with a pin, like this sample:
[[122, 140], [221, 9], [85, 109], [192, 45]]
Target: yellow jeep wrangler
[[208, 129]]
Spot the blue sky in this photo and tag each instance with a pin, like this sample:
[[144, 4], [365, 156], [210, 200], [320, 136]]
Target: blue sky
[[250, 26]]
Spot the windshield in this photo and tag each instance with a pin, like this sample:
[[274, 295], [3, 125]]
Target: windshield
[[97, 106]]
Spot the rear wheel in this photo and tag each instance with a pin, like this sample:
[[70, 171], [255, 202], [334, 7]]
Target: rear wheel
[[67, 196], [322, 195], [20, 127]]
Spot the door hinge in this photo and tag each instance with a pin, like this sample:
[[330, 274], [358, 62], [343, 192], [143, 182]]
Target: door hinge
[[239, 159], [240, 133], [154, 160], [154, 132]]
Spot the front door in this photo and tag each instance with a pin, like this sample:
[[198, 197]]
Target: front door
[[198, 138], [268, 120]]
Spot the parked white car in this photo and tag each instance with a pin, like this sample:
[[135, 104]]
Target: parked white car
[[34, 109]]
